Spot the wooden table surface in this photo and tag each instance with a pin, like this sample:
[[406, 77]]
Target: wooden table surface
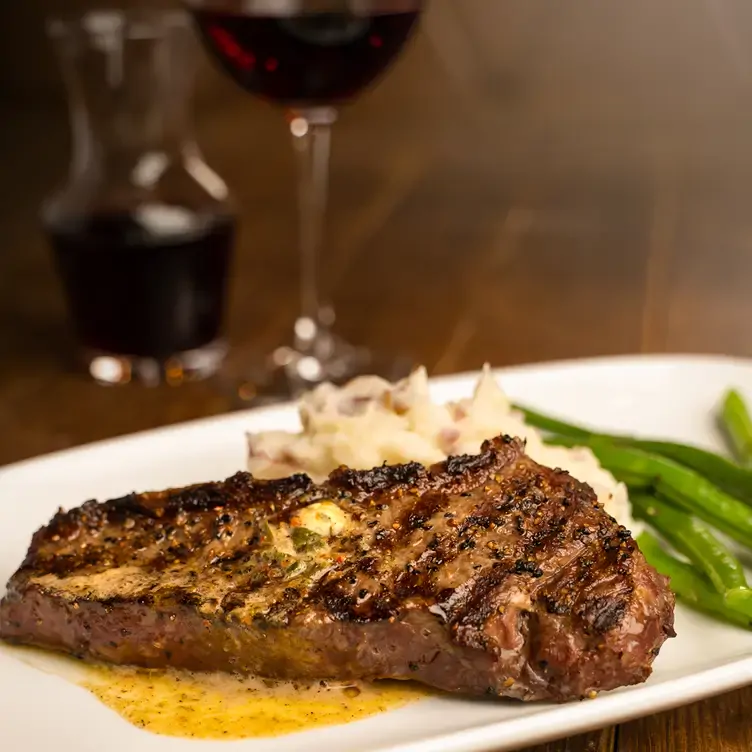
[[543, 203]]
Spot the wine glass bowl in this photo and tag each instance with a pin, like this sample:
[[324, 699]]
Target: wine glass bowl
[[305, 59], [308, 57]]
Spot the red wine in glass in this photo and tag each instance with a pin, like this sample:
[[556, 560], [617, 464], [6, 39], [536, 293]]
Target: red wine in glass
[[305, 59]]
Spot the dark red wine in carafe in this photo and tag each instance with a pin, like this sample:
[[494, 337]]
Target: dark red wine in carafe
[[305, 59], [149, 283]]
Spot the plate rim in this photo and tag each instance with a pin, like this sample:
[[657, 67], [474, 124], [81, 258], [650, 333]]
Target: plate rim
[[608, 710]]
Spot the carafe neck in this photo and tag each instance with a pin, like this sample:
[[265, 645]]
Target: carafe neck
[[129, 82]]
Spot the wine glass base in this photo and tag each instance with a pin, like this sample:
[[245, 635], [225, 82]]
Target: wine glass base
[[286, 374]]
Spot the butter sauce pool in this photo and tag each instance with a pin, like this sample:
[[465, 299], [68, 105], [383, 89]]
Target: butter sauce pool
[[222, 706]]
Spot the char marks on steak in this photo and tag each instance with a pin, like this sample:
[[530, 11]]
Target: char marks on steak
[[485, 574]]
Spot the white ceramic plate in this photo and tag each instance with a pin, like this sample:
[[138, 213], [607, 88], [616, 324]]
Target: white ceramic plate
[[672, 397]]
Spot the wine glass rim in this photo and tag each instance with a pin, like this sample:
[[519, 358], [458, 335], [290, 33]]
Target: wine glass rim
[[290, 7], [126, 23]]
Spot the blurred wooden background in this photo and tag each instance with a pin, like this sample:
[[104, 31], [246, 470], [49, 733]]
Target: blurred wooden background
[[535, 179]]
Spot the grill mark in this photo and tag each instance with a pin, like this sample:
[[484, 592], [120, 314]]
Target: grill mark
[[338, 593], [64, 565], [383, 478], [480, 518], [560, 594], [449, 544], [128, 506], [604, 613], [475, 606], [446, 549], [292, 599], [568, 590], [416, 517], [497, 510], [462, 464], [552, 521], [239, 491], [417, 577], [462, 473]]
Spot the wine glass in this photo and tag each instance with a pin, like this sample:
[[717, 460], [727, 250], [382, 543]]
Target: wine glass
[[310, 57]]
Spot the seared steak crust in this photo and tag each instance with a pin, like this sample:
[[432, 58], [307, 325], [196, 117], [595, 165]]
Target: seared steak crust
[[483, 574]]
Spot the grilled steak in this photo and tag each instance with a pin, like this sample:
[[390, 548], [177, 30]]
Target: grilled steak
[[483, 574]]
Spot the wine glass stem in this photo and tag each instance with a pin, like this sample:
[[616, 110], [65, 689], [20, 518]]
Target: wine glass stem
[[311, 133]]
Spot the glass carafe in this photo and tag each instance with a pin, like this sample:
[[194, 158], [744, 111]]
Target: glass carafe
[[143, 229]]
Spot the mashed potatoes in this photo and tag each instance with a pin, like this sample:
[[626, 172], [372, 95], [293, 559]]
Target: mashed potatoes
[[370, 421]]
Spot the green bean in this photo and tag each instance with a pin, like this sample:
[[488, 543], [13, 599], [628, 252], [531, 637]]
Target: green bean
[[737, 424], [684, 487], [691, 537], [546, 423], [740, 599], [687, 584], [727, 475]]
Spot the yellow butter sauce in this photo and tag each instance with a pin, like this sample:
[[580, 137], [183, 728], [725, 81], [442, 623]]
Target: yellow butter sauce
[[224, 706]]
